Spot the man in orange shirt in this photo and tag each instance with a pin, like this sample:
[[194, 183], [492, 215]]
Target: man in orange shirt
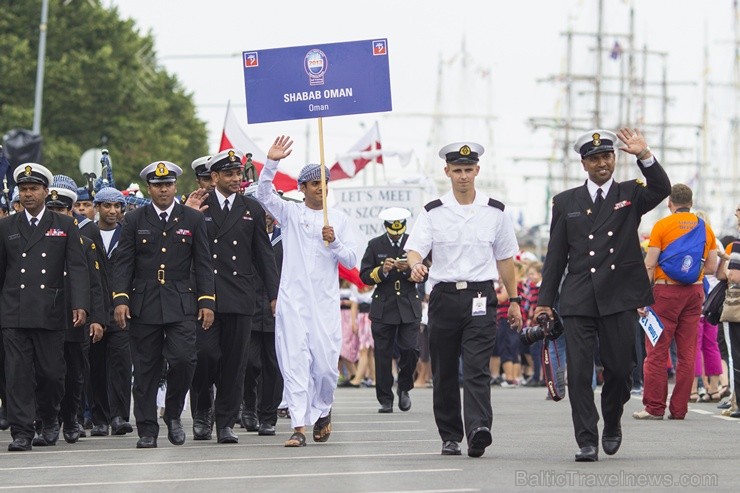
[[678, 303]]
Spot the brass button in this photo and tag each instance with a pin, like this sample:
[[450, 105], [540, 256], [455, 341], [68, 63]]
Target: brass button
[[164, 249], [161, 266]]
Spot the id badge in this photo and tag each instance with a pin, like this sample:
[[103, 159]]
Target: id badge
[[479, 306]]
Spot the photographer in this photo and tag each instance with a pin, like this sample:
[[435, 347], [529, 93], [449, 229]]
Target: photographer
[[395, 311]]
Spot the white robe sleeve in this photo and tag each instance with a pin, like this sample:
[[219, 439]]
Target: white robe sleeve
[[274, 204], [344, 246]]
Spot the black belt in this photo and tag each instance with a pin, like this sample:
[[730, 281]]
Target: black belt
[[452, 287]]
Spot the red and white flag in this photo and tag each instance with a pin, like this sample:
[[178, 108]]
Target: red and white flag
[[365, 150], [235, 137]]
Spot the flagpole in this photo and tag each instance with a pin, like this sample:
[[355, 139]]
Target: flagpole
[[323, 173]]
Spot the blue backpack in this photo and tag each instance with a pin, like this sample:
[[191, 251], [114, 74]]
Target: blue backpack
[[683, 260]]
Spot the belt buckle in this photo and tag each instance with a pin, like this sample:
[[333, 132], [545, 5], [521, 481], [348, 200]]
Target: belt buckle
[[461, 285], [160, 276]]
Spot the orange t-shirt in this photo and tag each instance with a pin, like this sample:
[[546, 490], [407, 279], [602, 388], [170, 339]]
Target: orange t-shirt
[[668, 229]]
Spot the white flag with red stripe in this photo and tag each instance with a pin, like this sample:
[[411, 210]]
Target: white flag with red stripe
[[234, 136], [365, 150]]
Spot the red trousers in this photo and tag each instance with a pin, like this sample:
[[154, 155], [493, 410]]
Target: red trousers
[[679, 308]]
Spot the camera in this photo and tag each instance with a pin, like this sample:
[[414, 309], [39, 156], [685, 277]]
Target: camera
[[545, 328]]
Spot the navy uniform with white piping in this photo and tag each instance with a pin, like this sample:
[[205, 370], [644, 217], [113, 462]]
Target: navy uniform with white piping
[[240, 250], [152, 276], [395, 311], [33, 261]]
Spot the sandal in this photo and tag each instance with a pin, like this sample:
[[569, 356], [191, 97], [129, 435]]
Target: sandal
[[724, 391], [322, 429], [297, 439], [711, 397], [694, 397]]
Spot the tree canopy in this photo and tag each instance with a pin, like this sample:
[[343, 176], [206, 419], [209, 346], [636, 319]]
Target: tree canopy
[[102, 88]]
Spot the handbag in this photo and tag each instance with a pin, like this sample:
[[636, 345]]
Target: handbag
[[731, 306], [714, 303]]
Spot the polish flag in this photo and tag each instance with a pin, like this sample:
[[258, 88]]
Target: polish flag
[[235, 137], [365, 150]]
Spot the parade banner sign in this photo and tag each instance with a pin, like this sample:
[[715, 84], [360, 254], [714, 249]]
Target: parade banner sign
[[363, 204], [317, 80]]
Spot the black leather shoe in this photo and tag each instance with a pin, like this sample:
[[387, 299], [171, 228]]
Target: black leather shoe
[[587, 454], [611, 444], [175, 431], [386, 408], [87, 424], [119, 426], [480, 438], [451, 448], [20, 445], [735, 414], [202, 429], [4, 423], [226, 435], [100, 431], [147, 442], [404, 401], [266, 429], [250, 421], [81, 429], [72, 434], [47, 438]]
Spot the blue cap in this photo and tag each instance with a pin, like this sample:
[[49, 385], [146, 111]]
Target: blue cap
[[83, 193], [311, 172], [109, 194]]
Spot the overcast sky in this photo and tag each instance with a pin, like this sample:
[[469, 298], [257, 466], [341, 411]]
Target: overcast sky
[[510, 47]]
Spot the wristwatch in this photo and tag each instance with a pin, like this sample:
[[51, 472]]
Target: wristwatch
[[516, 299]]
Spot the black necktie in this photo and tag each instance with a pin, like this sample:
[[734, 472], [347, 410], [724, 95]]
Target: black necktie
[[163, 215], [226, 206], [33, 222], [599, 200]]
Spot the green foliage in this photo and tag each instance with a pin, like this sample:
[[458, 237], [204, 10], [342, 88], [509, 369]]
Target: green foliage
[[102, 88]]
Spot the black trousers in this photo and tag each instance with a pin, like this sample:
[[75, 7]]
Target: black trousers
[[3, 393], [150, 344], [734, 329], [222, 360], [616, 338], [263, 382], [110, 376], [74, 380], [34, 369], [454, 331], [407, 338]]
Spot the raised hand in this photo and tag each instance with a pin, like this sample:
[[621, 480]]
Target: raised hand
[[634, 141], [280, 148]]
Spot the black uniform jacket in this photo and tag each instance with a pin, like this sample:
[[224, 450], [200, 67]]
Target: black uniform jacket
[[606, 272], [395, 299], [240, 248], [32, 267], [98, 306], [263, 319], [152, 274], [91, 230]]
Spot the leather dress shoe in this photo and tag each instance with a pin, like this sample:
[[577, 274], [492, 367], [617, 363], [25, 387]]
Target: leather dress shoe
[[735, 414], [47, 438], [81, 429], [611, 443], [451, 448], [226, 435], [120, 426], [266, 429], [386, 408], [20, 445], [480, 438], [250, 421], [100, 431], [202, 429], [4, 423], [175, 431], [404, 401], [147, 442], [72, 434], [587, 454]]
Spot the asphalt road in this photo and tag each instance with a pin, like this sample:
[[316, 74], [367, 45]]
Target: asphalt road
[[533, 448]]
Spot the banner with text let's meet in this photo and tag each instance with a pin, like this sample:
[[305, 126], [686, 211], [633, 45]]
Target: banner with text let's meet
[[317, 80], [363, 204]]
